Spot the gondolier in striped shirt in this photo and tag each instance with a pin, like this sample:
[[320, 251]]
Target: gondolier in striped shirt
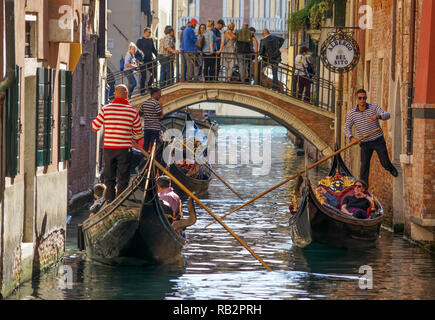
[[365, 117], [151, 111], [121, 122]]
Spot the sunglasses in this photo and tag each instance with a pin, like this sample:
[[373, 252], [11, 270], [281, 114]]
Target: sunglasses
[[358, 186], [362, 98]]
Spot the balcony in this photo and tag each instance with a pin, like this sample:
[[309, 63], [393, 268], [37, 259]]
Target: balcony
[[237, 21], [274, 25], [182, 21]]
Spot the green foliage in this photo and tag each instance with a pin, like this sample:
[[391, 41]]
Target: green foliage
[[318, 13], [312, 14]]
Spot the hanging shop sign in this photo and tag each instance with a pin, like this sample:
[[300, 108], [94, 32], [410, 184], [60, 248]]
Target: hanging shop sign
[[340, 52]]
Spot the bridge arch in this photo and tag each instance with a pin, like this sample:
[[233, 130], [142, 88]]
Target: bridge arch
[[312, 123]]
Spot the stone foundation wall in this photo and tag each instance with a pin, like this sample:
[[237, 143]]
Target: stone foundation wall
[[49, 251]]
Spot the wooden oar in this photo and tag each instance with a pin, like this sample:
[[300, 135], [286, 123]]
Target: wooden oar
[[208, 167], [298, 173], [214, 172], [194, 197]]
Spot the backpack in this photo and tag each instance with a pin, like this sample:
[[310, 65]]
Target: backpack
[[200, 42], [121, 64], [310, 69], [243, 41], [235, 75]]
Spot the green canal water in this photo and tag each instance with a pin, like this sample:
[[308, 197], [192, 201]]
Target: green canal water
[[215, 266]]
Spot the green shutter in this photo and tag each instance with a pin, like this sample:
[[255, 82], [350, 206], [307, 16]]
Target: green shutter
[[44, 115], [65, 100], [340, 13], [13, 126]]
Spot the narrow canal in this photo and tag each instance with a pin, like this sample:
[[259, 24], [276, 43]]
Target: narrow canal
[[215, 266]]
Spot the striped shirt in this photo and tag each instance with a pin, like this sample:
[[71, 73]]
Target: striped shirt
[[362, 123], [121, 121], [151, 112]]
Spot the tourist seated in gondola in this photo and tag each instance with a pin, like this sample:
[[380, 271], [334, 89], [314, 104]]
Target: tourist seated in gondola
[[328, 197], [167, 194], [357, 205], [100, 198]]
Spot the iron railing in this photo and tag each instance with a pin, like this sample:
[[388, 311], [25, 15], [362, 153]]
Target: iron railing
[[231, 68]]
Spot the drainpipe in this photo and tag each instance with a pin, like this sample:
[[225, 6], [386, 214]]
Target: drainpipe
[[7, 82], [393, 42], [409, 130]]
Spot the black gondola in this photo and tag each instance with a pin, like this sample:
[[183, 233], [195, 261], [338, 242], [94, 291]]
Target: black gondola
[[177, 120], [314, 221], [132, 231], [199, 183], [197, 186]]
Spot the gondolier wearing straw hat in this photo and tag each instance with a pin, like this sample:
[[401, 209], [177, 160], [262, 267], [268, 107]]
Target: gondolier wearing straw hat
[[365, 117]]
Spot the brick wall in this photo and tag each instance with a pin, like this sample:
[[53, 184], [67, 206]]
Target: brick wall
[[418, 177]]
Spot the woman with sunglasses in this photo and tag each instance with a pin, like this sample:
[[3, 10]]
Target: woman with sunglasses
[[365, 117], [358, 204]]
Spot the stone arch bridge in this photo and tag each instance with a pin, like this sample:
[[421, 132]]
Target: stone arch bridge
[[313, 123]]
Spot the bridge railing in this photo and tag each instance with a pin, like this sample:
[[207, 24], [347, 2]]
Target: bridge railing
[[231, 68]]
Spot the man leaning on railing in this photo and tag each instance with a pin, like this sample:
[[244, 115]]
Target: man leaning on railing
[[270, 51], [166, 56], [190, 51]]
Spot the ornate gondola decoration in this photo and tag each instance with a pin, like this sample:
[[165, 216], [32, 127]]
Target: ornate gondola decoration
[[314, 220]]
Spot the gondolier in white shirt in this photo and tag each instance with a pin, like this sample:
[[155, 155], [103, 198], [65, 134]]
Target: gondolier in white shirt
[[365, 117]]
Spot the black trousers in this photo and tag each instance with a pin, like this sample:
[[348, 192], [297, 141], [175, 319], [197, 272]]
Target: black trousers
[[209, 66], [149, 136], [143, 76], [116, 170], [304, 83], [367, 149]]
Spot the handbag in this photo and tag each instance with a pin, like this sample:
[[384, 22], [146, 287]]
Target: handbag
[[200, 42]]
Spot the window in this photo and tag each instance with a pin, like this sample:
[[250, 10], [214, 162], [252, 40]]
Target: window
[[44, 115], [65, 100], [259, 8], [233, 8], [30, 46], [276, 9], [13, 126], [191, 8]]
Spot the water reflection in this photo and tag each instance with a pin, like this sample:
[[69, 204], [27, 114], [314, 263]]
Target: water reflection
[[215, 266]]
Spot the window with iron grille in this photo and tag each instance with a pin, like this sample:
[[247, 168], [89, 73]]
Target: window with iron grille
[[13, 126], [44, 115], [65, 100]]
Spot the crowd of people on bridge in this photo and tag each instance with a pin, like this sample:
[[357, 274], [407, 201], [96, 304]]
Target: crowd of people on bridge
[[209, 52]]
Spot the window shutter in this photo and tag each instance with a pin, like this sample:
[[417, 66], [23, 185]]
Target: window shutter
[[13, 126], [340, 13], [44, 116], [65, 100]]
